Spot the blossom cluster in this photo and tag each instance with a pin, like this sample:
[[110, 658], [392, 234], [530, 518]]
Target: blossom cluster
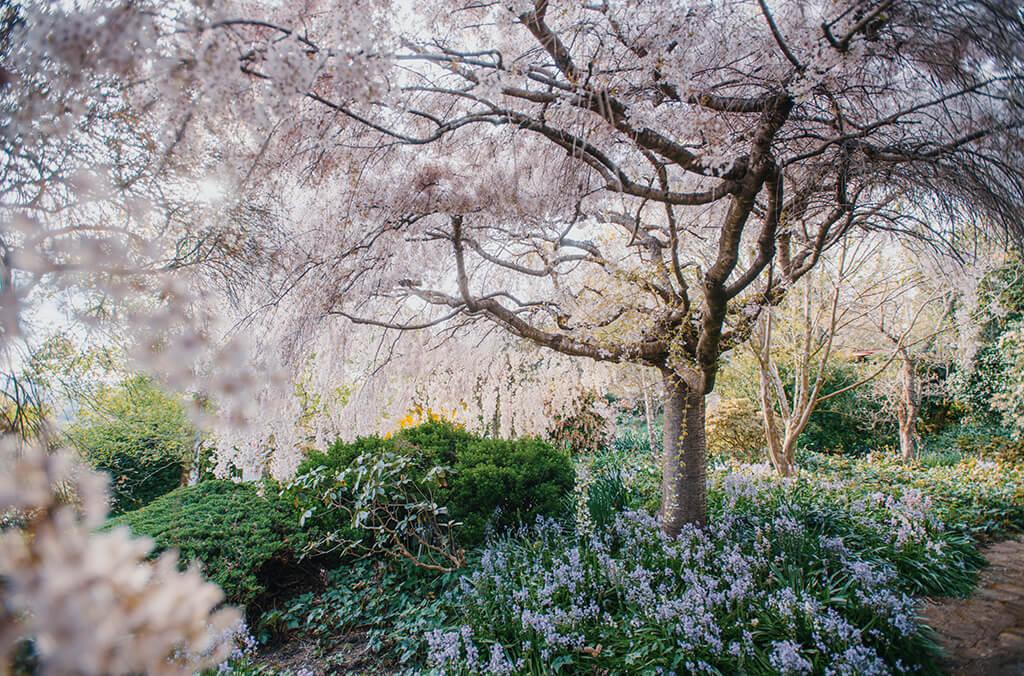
[[242, 643], [90, 601]]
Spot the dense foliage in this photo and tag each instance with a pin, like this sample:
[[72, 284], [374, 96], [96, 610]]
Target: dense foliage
[[851, 422], [734, 429], [243, 535], [968, 494], [486, 484], [987, 388], [751, 595], [394, 603], [139, 435]]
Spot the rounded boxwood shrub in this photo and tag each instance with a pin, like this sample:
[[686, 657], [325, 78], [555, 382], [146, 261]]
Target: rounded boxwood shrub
[[498, 484], [244, 541], [492, 484]]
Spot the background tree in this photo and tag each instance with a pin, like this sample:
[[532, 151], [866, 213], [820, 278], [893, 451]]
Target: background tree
[[867, 288], [911, 329], [139, 435]]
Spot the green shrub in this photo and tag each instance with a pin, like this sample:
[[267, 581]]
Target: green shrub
[[429, 444], [850, 422], [632, 461], [634, 440], [501, 483], [395, 603], [1007, 450], [137, 481], [489, 483], [385, 507], [988, 390], [138, 434], [735, 430], [964, 438], [989, 441], [244, 540]]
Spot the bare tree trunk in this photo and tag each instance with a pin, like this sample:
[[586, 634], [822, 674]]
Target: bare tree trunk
[[683, 483], [789, 453], [191, 477], [648, 414], [908, 406], [781, 442], [781, 451], [776, 455]]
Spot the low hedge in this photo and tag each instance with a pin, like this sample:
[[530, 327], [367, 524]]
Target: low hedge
[[244, 537]]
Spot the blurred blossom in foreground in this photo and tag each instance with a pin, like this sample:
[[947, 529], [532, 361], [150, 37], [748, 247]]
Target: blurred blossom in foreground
[[91, 601]]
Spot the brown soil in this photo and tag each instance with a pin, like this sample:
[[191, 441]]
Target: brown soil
[[348, 654], [984, 635]]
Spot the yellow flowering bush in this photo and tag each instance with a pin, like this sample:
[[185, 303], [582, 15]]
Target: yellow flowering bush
[[734, 430], [419, 414]]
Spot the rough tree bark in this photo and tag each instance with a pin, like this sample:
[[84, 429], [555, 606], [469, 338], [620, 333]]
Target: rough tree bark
[[683, 483]]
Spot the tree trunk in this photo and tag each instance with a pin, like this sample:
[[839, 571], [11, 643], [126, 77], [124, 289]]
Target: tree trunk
[[789, 453], [191, 477], [907, 408], [684, 456], [776, 454], [781, 450], [648, 415]]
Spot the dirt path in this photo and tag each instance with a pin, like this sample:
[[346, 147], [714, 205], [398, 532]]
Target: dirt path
[[984, 635]]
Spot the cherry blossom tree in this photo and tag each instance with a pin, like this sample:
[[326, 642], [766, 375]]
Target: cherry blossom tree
[[634, 182], [91, 201], [627, 182]]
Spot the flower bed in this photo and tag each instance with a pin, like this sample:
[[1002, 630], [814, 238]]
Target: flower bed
[[813, 574], [749, 594], [976, 496]]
